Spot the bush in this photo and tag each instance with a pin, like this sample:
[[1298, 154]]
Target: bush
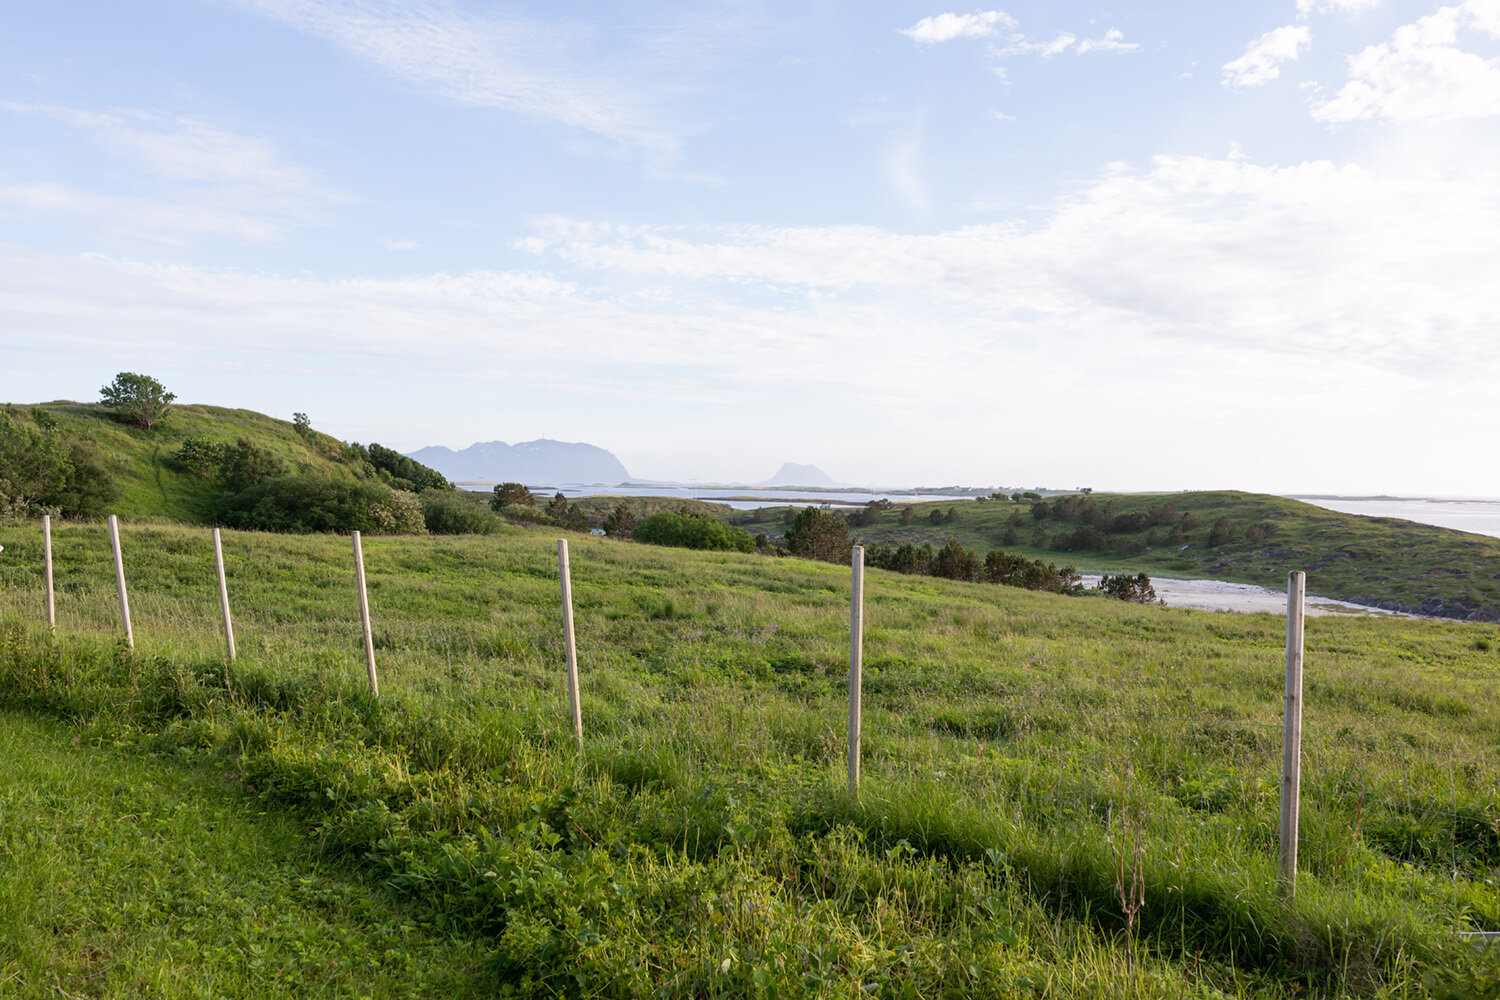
[[456, 513], [506, 494], [1222, 533], [954, 562], [308, 503], [1136, 589], [819, 533], [692, 531], [401, 514], [245, 463]]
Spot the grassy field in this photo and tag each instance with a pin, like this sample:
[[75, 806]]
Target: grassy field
[[1364, 559], [1063, 797]]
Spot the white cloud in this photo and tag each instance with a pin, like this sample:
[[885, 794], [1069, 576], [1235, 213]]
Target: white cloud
[[1019, 46], [1232, 289], [1263, 57], [396, 245], [1422, 73], [1307, 7], [513, 64], [999, 116], [202, 180], [947, 27], [1113, 41]]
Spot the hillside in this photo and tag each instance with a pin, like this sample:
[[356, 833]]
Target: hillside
[[153, 485], [1385, 562], [1026, 758]]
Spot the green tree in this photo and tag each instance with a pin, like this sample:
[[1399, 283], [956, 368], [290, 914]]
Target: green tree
[[819, 533], [908, 514], [506, 494], [620, 522], [87, 488], [1222, 533], [1136, 589], [246, 463], [301, 424], [137, 399], [33, 464], [693, 531]]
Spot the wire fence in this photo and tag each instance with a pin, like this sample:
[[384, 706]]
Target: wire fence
[[1003, 736]]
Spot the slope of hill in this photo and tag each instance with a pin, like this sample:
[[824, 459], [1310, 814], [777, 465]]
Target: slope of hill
[[154, 485], [1377, 561], [792, 474], [535, 462]]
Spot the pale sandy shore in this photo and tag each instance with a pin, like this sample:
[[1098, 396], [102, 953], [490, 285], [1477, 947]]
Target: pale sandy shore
[[1242, 598]]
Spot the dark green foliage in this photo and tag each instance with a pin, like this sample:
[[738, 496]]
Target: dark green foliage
[[954, 562], [88, 489], [506, 494], [1010, 537], [905, 558], [1041, 510], [137, 399], [245, 463], [692, 531], [301, 424], [456, 513], [1136, 589], [869, 513], [33, 464], [1222, 532], [567, 515], [1011, 570], [306, 503], [404, 473], [819, 533], [908, 514], [199, 456], [620, 522]]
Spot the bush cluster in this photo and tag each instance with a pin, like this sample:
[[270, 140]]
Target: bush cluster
[[693, 531], [955, 562]]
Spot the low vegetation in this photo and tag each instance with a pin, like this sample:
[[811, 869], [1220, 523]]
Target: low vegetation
[[1061, 798]]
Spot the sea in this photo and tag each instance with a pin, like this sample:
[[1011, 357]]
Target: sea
[[1480, 516]]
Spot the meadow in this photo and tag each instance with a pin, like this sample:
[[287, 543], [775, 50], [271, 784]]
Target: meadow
[[1062, 797]]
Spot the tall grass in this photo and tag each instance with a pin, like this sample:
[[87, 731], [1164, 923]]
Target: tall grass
[[1036, 768]]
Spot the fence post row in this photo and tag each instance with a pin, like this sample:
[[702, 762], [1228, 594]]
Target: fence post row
[[364, 615], [856, 659], [1291, 740], [47, 561], [574, 702], [114, 541], [223, 596]]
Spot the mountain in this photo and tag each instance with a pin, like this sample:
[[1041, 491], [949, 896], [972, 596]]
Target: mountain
[[532, 462], [792, 474]]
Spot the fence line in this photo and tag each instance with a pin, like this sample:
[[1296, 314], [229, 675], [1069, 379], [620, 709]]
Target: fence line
[[1182, 790]]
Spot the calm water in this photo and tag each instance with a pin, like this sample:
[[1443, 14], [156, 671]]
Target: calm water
[[734, 496], [1482, 517]]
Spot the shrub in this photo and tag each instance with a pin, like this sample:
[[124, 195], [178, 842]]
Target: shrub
[[400, 514], [692, 531], [245, 463], [456, 513], [506, 494], [1136, 589], [306, 503], [819, 533], [1222, 532]]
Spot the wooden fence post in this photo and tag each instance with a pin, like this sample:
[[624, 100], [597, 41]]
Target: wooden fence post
[[1291, 740], [47, 562], [856, 659], [574, 702], [223, 595], [364, 615], [114, 541]]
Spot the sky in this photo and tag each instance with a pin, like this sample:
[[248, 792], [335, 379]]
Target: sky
[[1136, 246]]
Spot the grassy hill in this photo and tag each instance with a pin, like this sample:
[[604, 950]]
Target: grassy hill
[[154, 487], [1034, 767], [1371, 560]]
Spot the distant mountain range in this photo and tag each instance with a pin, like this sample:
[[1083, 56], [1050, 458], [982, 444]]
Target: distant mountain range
[[547, 462], [532, 462]]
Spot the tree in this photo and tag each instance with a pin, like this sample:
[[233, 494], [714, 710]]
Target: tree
[[301, 424], [819, 534], [246, 463], [137, 399], [33, 464], [508, 493], [908, 514], [693, 531], [620, 522], [1136, 589], [1221, 533]]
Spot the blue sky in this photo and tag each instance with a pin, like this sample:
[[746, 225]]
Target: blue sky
[[1143, 246]]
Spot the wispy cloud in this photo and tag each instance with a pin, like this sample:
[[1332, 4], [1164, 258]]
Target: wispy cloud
[[199, 180], [1306, 7], [1263, 57], [947, 27], [511, 63], [1422, 73]]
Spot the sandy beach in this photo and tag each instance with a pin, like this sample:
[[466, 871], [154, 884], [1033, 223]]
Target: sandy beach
[[1241, 598]]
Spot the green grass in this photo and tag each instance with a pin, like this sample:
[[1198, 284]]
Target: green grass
[[1346, 556], [130, 876], [1025, 756]]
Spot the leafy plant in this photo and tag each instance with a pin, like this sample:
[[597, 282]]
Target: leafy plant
[[137, 399]]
